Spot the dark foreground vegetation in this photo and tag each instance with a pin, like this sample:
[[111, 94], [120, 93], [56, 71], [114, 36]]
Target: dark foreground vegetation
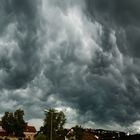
[[131, 137], [53, 128]]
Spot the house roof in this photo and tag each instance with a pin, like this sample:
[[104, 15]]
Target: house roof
[[30, 129], [1, 129], [89, 136], [2, 132]]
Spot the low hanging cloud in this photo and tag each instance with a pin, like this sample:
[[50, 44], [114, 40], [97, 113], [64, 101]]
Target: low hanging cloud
[[83, 55]]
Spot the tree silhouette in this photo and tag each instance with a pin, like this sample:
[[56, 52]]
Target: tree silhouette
[[53, 124], [13, 123]]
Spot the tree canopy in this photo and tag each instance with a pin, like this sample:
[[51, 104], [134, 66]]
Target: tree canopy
[[13, 123], [79, 131], [53, 124], [40, 137]]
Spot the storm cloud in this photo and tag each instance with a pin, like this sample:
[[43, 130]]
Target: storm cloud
[[79, 55], [18, 45]]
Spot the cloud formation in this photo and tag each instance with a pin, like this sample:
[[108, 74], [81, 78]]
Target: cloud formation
[[18, 42], [82, 56]]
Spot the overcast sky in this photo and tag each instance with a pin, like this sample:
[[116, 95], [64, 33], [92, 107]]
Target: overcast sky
[[80, 56]]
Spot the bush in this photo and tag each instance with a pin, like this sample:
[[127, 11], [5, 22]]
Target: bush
[[40, 137], [6, 139]]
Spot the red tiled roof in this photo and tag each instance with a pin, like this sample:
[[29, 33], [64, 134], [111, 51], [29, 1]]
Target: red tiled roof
[[30, 129], [2, 132]]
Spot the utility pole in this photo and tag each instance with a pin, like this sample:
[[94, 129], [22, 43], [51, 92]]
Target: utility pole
[[51, 125], [51, 122]]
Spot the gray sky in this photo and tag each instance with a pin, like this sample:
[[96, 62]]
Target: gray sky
[[80, 56]]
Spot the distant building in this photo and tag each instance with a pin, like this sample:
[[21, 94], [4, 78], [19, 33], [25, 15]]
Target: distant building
[[87, 135], [70, 135], [2, 132], [90, 136], [29, 133]]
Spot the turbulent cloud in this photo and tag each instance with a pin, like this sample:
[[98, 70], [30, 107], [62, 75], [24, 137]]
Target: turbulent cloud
[[117, 64], [80, 56], [18, 43], [120, 14]]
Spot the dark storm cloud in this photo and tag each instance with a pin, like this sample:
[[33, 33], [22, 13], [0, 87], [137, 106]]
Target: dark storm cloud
[[120, 14], [92, 62], [81, 55], [119, 11], [105, 87], [114, 86], [21, 64]]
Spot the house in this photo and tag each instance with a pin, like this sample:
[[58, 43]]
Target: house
[[2, 132], [87, 135], [29, 132], [70, 135], [4, 135], [90, 136]]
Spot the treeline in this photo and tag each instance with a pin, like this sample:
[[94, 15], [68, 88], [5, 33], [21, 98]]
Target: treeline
[[14, 124], [53, 127]]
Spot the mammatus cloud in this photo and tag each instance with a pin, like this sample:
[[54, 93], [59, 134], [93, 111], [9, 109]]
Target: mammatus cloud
[[79, 56]]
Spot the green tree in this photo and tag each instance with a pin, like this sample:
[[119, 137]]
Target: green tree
[[19, 123], [79, 131], [13, 123], [53, 124], [8, 123], [40, 136]]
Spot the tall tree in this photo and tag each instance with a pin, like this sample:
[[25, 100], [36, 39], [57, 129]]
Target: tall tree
[[79, 131], [53, 124], [8, 123], [19, 123], [13, 123]]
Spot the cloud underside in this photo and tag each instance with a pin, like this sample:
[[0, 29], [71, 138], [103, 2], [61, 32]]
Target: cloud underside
[[82, 56]]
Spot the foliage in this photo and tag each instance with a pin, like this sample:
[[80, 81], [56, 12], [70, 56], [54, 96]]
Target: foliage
[[40, 136], [19, 123], [6, 139], [71, 134], [8, 122], [79, 131], [13, 123], [53, 123], [76, 132]]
